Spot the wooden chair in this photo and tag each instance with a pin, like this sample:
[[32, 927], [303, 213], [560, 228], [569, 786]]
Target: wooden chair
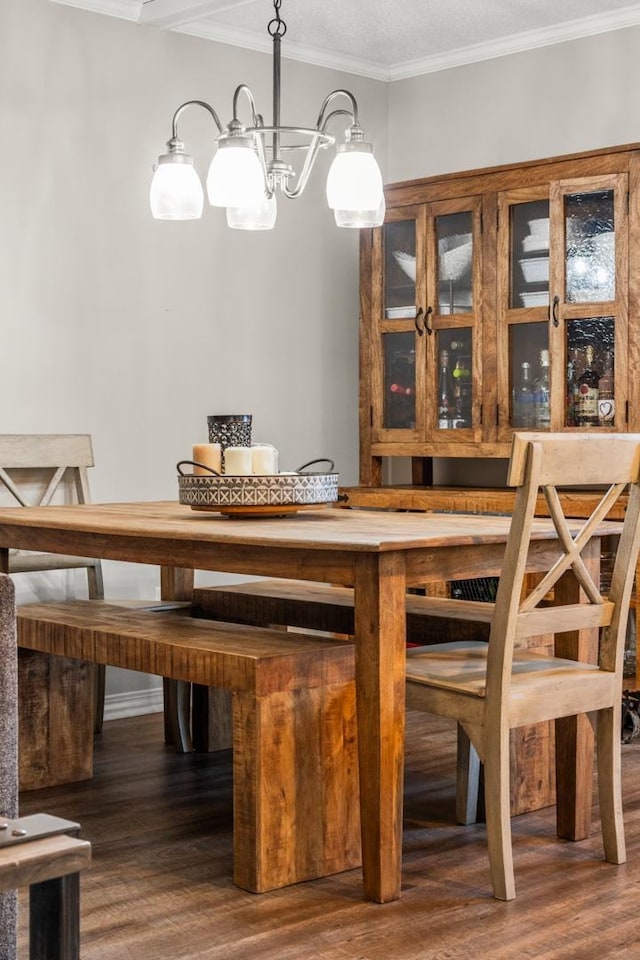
[[36, 469], [41, 852], [490, 689]]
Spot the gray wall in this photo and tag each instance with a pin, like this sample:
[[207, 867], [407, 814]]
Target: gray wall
[[132, 329], [559, 99]]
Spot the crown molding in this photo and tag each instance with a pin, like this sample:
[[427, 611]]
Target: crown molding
[[123, 9], [474, 53], [249, 40], [519, 43]]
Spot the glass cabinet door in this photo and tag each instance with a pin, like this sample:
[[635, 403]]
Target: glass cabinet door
[[428, 316], [561, 305], [399, 304], [453, 319], [589, 297]]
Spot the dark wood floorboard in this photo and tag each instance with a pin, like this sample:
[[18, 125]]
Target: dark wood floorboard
[[160, 886]]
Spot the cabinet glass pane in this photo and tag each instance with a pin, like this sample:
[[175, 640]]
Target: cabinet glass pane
[[400, 269], [590, 393], [529, 376], [455, 382], [529, 254], [590, 246], [455, 248], [399, 380]]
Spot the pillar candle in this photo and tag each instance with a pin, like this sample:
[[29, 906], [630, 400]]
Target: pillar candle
[[264, 458], [237, 461], [210, 454]]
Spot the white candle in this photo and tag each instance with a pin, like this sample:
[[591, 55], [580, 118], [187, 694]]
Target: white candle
[[237, 461], [264, 458], [209, 454]]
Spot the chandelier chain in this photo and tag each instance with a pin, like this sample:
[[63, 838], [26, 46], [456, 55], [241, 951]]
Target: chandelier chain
[[277, 27]]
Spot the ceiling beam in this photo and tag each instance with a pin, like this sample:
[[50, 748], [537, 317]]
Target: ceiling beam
[[175, 13]]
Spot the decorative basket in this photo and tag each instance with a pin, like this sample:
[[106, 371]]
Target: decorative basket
[[276, 494]]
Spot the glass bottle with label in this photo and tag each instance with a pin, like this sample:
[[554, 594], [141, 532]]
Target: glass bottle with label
[[586, 402], [572, 386], [542, 394], [446, 405], [606, 393], [523, 406]]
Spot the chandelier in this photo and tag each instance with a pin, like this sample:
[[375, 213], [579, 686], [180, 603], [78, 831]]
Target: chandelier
[[248, 168]]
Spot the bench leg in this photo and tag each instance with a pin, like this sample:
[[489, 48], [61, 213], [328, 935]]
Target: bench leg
[[54, 919], [295, 786]]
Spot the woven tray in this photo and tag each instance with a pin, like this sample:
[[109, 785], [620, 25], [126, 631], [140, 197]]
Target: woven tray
[[268, 495]]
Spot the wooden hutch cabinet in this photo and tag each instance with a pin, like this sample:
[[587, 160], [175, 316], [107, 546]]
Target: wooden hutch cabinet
[[494, 300], [500, 299]]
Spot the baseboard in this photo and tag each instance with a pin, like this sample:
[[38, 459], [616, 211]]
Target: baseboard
[[135, 703]]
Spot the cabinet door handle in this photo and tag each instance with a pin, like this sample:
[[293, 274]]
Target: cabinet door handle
[[554, 311], [420, 329], [426, 323]]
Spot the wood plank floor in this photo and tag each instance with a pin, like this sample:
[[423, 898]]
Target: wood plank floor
[[160, 887]]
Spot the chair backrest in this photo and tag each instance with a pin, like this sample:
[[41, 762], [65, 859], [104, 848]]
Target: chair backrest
[[548, 462], [8, 746], [54, 459]]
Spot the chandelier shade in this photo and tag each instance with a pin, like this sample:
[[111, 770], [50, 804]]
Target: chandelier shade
[[258, 216], [249, 167], [176, 192]]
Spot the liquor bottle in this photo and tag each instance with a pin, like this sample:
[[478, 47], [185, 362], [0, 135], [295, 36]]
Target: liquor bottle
[[542, 394], [606, 393], [523, 409], [586, 403], [446, 408], [462, 393], [572, 385]]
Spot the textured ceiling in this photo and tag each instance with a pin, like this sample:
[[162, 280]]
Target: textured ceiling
[[386, 39]]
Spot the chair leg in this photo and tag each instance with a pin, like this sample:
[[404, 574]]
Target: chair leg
[[467, 779], [98, 718], [609, 784], [498, 812], [177, 709]]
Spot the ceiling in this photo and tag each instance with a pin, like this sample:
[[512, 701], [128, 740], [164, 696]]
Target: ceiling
[[382, 39]]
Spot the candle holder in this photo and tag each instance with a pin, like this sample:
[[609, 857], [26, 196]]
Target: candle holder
[[230, 430]]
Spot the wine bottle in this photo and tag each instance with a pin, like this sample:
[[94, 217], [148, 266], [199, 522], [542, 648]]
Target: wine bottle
[[445, 394], [523, 410], [586, 404], [606, 393], [542, 395]]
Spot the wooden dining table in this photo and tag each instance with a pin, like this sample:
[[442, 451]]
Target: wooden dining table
[[381, 554]]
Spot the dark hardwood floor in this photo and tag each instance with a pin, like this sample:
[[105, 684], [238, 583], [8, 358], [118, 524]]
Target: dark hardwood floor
[[160, 886]]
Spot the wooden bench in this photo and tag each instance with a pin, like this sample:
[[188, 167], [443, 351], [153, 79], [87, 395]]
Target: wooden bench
[[295, 783], [318, 606]]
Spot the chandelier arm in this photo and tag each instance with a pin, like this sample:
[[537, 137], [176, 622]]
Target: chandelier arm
[[309, 161], [243, 88], [321, 122], [193, 103], [335, 113]]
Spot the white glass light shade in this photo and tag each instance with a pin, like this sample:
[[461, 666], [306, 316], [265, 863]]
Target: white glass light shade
[[354, 181], [176, 192], [360, 218], [260, 216], [235, 177]]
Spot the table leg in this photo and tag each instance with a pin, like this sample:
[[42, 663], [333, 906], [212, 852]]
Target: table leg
[[574, 735], [380, 586]]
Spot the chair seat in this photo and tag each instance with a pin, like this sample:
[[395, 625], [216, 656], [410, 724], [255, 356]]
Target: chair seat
[[462, 668]]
